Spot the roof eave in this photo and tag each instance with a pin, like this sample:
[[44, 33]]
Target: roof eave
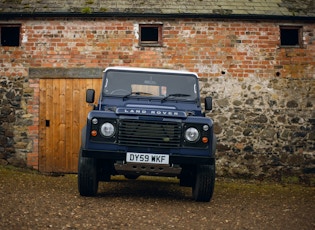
[[15, 15]]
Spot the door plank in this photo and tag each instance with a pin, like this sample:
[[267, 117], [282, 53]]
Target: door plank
[[68, 126], [42, 125]]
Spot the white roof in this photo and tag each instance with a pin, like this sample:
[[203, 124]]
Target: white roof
[[156, 70]]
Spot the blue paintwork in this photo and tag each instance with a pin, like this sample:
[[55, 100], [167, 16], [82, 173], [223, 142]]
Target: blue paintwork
[[117, 107]]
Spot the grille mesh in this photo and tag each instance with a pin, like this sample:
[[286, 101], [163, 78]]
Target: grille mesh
[[149, 133]]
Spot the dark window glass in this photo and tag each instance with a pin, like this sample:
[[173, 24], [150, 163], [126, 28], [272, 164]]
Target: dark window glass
[[10, 35], [290, 36], [150, 35]]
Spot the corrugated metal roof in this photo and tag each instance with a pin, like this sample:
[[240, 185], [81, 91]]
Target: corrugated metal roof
[[279, 8]]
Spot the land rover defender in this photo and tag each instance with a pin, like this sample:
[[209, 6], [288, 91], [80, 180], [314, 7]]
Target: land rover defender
[[148, 122]]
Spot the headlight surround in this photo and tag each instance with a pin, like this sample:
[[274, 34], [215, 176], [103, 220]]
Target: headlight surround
[[192, 134], [107, 129], [94, 121]]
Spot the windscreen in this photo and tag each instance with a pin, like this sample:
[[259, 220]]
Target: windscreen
[[147, 84]]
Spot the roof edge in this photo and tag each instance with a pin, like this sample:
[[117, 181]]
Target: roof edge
[[158, 70], [14, 15]]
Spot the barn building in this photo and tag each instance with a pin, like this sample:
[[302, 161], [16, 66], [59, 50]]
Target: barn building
[[256, 58]]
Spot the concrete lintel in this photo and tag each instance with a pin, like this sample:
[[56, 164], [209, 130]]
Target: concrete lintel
[[46, 73]]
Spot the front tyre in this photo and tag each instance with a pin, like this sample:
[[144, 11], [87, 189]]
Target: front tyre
[[87, 176], [203, 187]]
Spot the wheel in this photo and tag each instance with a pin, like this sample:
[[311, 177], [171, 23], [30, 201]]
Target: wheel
[[131, 176], [87, 176], [203, 187]]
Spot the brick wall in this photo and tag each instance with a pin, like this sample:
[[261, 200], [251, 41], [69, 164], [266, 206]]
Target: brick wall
[[240, 49], [220, 51]]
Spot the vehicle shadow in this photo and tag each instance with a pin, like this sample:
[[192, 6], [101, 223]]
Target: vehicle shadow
[[144, 187]]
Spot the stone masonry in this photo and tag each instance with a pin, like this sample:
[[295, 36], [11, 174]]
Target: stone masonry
[[263, 125], [264, 94]]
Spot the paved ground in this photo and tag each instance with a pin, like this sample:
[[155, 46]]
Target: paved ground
[[29, 200]]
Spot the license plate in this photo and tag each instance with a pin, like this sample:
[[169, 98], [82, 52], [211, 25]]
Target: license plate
[[148, 158]]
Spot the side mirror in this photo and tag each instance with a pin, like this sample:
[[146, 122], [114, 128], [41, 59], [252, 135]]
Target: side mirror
[[208, 103], [90, 96]]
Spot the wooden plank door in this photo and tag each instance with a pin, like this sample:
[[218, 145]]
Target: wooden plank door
[[63, 113]]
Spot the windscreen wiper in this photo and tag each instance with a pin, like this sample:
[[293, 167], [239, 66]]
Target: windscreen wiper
[[136, 93], [175, 95]]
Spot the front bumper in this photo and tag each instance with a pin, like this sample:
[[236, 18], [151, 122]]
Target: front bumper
[[173, 158]]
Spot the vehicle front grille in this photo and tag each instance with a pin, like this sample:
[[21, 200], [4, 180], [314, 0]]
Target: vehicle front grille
[[149, 133]]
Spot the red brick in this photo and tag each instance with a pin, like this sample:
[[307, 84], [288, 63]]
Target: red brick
[[32, 160]]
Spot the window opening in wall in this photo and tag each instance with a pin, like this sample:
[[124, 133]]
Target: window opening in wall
[[150, 35], [291, 36], [10, 35]]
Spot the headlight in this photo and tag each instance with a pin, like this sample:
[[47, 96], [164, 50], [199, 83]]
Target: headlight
[[107, 129], [192, 134]]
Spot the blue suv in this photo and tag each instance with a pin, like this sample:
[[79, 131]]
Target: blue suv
[[148, 122]]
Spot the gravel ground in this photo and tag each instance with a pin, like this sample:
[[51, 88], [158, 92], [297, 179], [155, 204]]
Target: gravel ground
[[29, 200]]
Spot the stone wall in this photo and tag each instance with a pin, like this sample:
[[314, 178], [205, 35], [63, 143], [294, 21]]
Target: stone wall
[[263, 93], [14, 143], [264, 126]]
